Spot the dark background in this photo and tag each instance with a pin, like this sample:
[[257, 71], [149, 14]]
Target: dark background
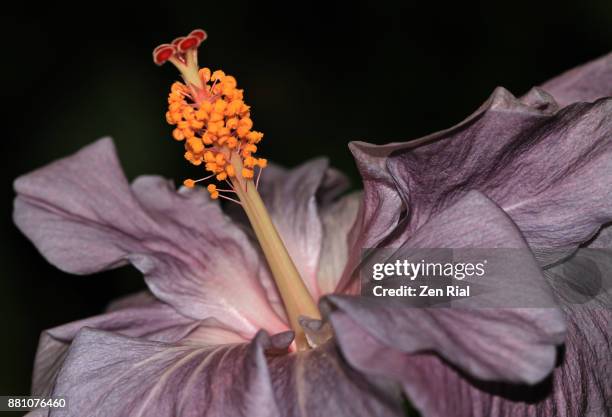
[[317, 76]]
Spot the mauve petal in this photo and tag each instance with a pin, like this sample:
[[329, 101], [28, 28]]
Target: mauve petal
[[109, 375], [579, 385], [539, 99], [83, 216], [88, 188], [549, 171], [583, 284], [295, 199], [338, 219], [152, 321], [603, 239], [138, 299], [383, 204], [379, 212], [587, 82], [509, 344], [319, 383]]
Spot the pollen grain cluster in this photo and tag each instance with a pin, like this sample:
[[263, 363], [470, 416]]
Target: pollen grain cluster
[[215, 128]]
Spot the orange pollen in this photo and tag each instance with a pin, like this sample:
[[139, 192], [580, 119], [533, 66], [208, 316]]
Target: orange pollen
[[209, 115]]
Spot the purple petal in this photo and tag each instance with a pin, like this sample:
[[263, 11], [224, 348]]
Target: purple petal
[[549, 172], [139, 299], [319, 383], [579, 385], [153, 321], [508, 344], [83, 216], [379, 212], [90, 191], [382, 204], [338, 219], [105, 374], [603, 239], [588, 82], [110, 375]]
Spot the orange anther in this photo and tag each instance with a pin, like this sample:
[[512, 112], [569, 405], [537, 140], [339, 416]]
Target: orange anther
[[232, 142], [254, 137], [238, 94], [230, 81], [188, 114], [192, 158], [216, 117], [231, 123], [221, 176], [212, 189], [209, 157], [262, 162], [231, 172], [213, 127], [178, 134], [249, 162], [176, 106], [201, 114], [207, 138], [206, 106], [204, 74], [244, 126], [177, 87], [195, 145], [189, 183], [247, 173], [217, 75], [174, 96], [197, 124], [234, 107], [220, 159], [246, 122], [219, 106], [226, 90], [176, 116]]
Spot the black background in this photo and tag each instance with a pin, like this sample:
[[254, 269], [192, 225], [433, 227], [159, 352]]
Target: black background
[[317, 76]]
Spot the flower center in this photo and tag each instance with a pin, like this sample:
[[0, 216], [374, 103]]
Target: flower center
[[215, 123]]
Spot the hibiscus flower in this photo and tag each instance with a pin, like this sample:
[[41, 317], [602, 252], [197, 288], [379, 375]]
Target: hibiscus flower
[[262, 316]]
